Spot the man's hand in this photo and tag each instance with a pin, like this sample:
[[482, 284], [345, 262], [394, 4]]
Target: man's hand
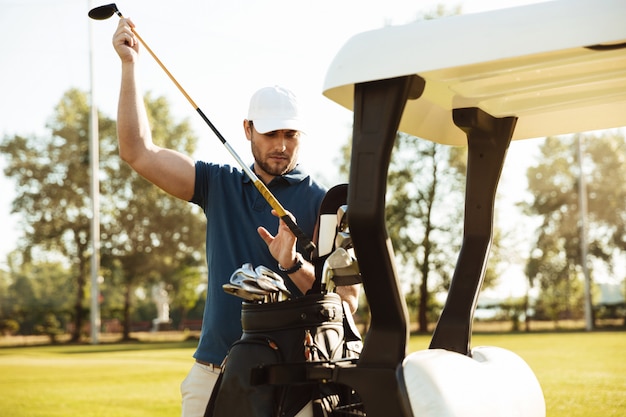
[[283, 245], [125, 42], [283, 249]]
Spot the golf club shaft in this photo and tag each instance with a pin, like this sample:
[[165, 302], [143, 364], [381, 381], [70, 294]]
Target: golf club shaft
[[265, 192]]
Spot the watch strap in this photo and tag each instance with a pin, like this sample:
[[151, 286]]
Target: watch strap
[[295, 267]]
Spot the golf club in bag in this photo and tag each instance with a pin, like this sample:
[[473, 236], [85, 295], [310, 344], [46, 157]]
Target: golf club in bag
[[108, 10]]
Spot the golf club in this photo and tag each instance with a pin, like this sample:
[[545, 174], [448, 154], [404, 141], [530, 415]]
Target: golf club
[[241, 293], [276, 280], [343, 239], [342, 217], [340, 269], [108, 10], [264, 278], [258, 285]]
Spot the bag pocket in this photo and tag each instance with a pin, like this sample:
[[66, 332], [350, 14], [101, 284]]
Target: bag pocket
[[236, 395]]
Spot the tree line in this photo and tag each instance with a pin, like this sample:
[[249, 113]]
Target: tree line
[[555, 265], [149, 238], [424, 219]]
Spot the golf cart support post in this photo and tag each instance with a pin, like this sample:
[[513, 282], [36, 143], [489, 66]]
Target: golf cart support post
[[479, 80]]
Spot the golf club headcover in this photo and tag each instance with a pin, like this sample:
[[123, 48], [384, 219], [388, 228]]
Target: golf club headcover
[[326, 228], [494, 382]]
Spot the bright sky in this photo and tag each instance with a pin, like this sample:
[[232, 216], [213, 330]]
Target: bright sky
[[219, 51]]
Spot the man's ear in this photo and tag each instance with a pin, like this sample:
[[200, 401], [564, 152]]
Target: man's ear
[[247, 127]]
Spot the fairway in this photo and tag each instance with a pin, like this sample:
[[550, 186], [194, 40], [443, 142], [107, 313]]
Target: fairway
[[119, 380], [582, 375]]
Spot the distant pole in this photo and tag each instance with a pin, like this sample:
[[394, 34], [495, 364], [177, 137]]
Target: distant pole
[[582, 202], [94, 162]]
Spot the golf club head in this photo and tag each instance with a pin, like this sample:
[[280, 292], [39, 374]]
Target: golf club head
[[267, 283], [245, 279], [259, 281], [343, 240], [248, 282], [246, 270], [253, 277], [340, 258], [263, 270], [265, 279], [277, 280], [241, 293], [104, 12], [326, 227], [348, 270], [341, 269], [342, 218], [248, 285]]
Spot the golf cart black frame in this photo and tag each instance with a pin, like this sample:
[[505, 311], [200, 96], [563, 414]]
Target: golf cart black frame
[[384, 346]]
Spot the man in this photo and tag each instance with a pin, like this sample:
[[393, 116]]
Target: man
[[233, 206]]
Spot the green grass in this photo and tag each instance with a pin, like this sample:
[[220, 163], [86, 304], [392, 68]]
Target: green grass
[[91, 381], [582, 374]]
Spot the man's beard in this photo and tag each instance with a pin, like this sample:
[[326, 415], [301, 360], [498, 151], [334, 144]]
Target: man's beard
[[273, 169]]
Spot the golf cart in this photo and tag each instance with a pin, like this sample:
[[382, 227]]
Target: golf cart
[[479, 80]]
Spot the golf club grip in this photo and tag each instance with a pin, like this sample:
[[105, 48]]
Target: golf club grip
[[275, 204], [304, 240]]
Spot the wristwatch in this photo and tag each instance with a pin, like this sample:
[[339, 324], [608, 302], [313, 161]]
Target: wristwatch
[[295, 267]]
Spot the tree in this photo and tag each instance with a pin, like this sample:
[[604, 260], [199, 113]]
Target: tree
[[556, 261], [151, 237], [424, 214], [36, 297], [53, 189], [8, 324], [185, 290], [146, 236], [607, 189]]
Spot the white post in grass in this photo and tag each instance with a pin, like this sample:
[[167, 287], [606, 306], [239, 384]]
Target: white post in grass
[[582, 202], [94, 162]]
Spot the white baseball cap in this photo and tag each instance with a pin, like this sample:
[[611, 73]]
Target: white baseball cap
[[275, 108]]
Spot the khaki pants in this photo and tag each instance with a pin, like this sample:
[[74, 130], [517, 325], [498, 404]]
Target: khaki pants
[[196, 391]]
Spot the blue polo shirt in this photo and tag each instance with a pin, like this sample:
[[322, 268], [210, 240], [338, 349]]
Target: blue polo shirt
[[234, 209]]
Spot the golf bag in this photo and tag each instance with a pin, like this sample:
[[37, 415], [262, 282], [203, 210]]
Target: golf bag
[[291, 333], [266, 372]]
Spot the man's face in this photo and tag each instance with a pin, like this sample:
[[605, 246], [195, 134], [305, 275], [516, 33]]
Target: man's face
[[275, 153]]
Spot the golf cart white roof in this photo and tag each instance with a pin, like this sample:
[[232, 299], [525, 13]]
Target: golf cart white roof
[[532, 62]]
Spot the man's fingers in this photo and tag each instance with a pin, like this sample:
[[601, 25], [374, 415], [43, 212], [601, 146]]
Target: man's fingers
[[265, 235], [124, 34]]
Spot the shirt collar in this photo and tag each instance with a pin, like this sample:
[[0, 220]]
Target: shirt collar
[[292, 177]]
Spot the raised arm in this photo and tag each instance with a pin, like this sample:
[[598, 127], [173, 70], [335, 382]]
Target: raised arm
[[170, 170]]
